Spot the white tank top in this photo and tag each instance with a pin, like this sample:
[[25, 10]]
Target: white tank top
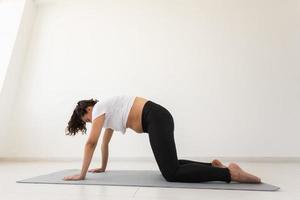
[[116, 111]]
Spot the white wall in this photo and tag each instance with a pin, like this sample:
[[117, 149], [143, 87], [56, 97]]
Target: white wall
[[15, 25], [228, 71], [10, 17]]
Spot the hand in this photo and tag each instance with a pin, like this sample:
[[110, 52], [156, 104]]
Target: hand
[[76, 177], [97, 170]]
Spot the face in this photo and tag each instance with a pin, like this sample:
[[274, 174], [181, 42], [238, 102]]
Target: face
[[88, 116]]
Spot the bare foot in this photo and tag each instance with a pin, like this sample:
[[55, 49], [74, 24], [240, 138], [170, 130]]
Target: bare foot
[[217, 163], [239, 175]]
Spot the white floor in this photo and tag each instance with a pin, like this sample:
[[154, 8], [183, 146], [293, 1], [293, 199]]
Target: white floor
[[284, 175]]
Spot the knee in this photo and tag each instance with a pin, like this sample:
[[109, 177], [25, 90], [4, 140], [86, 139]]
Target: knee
[[169, 177]]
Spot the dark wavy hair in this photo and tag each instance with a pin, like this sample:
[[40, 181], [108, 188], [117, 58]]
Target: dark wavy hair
[[76, 123]]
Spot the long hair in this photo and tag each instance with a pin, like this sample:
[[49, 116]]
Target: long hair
[[76, 124]]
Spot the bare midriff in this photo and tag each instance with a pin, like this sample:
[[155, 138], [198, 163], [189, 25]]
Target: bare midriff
[[134, 120]]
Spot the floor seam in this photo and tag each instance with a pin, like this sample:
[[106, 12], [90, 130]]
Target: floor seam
[[135, 192]]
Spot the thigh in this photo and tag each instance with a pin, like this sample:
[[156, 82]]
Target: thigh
[[164, 150], [161, 137]]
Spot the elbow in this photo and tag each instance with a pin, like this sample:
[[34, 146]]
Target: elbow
[[91, 144], [104, 145]]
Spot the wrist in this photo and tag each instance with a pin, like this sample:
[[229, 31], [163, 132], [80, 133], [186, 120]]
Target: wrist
[[82, 176]]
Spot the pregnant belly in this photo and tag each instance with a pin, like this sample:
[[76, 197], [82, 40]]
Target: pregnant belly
[[134, 120]]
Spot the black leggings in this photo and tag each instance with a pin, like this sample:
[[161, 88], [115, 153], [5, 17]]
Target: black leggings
[[158, 122]]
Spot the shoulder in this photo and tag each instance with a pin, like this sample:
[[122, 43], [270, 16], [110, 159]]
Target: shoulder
[[98, 109]]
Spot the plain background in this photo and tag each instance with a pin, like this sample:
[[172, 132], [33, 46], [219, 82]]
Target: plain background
[[227, 70]]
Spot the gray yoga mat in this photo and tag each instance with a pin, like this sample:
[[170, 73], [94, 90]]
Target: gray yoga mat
[[141, 178]]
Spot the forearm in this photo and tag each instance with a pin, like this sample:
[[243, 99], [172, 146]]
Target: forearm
[[104, 150], [88, 154]]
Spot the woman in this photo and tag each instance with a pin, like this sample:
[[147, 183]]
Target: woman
[[144, 116]]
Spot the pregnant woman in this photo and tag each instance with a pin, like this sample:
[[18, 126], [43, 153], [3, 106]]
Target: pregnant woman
[[120, 112]]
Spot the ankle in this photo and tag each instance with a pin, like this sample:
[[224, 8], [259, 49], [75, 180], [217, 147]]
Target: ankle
[[233, 174]]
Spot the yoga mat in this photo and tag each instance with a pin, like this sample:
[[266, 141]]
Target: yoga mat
[[141, 178]]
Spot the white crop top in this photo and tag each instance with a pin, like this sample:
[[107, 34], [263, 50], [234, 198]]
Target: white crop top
[[116, 111]]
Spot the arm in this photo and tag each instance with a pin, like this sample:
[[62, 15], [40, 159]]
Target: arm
[[90, 146], [105, 147], [104, 150]]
